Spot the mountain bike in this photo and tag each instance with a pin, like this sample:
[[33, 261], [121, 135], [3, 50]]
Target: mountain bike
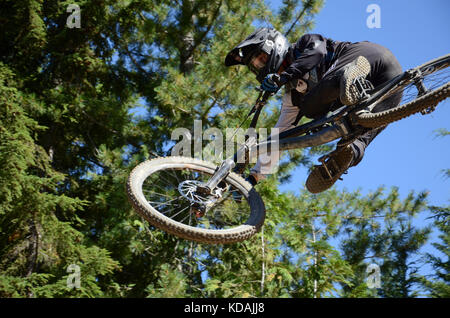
[[200, 201]]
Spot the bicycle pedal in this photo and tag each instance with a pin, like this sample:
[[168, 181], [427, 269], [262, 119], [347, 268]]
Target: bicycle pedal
[[363, 87]]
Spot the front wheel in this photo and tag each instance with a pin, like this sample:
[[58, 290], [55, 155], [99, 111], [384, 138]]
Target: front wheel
[[164, 192]]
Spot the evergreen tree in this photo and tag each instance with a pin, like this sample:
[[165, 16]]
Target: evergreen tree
[[38, 241], [384, 235], [70, 135], [438, 284]]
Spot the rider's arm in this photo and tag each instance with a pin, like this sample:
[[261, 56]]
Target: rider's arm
[[309, 51]]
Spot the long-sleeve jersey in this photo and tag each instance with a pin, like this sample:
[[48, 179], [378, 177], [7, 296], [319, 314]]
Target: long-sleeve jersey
[[316, 57], [311, 51]]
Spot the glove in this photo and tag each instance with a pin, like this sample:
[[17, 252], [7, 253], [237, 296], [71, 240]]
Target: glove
[[269, 83]]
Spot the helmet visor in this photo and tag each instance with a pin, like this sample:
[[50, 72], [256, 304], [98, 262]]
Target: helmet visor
[[258, 62]]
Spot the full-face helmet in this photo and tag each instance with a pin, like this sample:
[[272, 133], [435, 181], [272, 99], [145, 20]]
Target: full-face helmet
[[263, 52]]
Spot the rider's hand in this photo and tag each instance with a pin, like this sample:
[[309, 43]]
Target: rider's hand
[[270, 84]]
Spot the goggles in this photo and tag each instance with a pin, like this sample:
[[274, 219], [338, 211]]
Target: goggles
[[258, 62]]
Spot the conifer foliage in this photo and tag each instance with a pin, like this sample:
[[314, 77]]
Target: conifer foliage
[[80, 106]]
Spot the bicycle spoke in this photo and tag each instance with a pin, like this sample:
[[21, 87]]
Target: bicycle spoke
[[149, 191], [410, 92], [173, 216]]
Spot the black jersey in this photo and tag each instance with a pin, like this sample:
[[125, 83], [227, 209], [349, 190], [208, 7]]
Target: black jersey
[[312, 51]]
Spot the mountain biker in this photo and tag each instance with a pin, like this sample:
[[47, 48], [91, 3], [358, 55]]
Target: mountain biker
[[318, 75]]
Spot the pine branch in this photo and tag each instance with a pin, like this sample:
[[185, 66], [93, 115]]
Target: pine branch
[[190, 42], [34, 246], [302, 13]]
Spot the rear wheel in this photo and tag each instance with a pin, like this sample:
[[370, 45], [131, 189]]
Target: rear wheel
[[421, 93], [163, 191]]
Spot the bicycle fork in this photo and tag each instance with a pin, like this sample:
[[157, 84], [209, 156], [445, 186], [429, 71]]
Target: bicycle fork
[[227, 166], [215, 187]]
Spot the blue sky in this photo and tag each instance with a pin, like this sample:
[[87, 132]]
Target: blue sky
[[407, 153]]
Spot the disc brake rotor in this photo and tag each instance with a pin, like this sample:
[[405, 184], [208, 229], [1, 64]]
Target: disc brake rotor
[[188, 189]]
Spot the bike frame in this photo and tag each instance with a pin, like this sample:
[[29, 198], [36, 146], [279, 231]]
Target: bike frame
[[335, 125]]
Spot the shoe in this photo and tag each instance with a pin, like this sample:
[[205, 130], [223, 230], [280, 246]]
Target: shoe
[[323, 176], [359, 68]]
